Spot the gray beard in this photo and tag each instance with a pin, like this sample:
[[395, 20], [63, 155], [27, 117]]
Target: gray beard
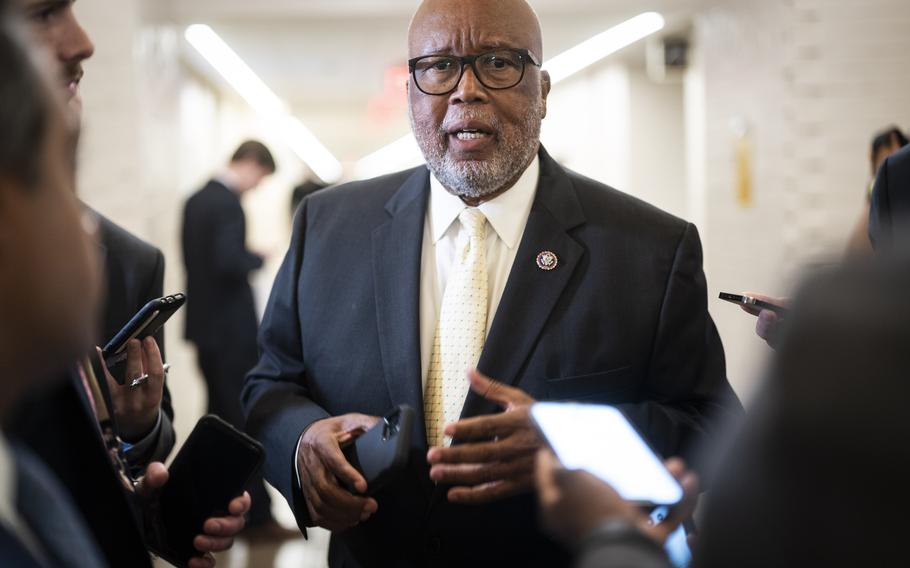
[[477, 179]]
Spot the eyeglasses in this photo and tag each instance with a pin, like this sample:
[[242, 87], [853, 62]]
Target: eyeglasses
[[498, 69]]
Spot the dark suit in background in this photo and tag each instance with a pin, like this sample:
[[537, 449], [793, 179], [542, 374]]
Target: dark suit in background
[[622, 320], [220, 312], [889, 216]]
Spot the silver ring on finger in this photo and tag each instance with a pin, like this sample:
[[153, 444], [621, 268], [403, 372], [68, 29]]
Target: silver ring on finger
[[139, 381]]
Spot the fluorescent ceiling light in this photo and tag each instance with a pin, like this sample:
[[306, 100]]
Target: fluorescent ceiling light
[[264, 101], [405, 153], [603, 45]]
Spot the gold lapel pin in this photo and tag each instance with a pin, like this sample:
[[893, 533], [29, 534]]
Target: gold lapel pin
[[547, 260]]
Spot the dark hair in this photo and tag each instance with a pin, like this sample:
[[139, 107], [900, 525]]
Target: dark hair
[[23, 104], [257, 152], [885, 137]]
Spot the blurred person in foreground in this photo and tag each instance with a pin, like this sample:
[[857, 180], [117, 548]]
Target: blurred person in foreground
[[815, 476], [884, 144], [220, 313], [134, 273], [490, 256], [51, 289], [889, 228], [48, 259]]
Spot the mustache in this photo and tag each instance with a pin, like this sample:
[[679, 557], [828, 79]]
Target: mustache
[[72, 72], [469, 113]]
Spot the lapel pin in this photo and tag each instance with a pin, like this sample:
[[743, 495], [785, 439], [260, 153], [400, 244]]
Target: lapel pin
[[547, 260]]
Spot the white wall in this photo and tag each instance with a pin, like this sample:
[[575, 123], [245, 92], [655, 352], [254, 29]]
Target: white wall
[[812, 79]]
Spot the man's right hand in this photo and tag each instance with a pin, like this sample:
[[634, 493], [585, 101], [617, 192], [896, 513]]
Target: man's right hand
[[325, 473], [768, 324]]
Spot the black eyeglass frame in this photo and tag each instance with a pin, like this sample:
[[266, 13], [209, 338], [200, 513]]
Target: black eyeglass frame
[[523, 54]]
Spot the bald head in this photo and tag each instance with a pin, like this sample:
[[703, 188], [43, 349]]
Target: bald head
[[452, 25]]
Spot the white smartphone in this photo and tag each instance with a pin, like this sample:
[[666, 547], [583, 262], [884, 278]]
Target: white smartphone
[[677, 545], [600, 440]]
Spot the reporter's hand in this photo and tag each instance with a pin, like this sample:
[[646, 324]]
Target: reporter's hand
[[325, 473], [769, 323], [574, 502], [218, 532], [136, 409], [498, 461]]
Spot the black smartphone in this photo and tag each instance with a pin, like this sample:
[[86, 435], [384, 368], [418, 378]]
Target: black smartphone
[[215, 465], [751, 302], [381, 453], [146, 322]]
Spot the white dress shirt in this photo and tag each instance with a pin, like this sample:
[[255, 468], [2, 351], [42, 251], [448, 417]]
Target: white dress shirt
[[9, 513], [507, 214]]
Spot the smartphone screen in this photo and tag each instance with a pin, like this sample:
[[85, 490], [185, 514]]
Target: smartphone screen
[[213, 467], [677, 545], [600, 440]]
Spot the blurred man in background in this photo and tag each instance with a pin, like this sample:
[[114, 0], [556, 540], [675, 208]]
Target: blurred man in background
[[220, 313], [883, 145]]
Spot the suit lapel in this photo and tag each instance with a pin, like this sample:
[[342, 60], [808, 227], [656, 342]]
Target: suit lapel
[[531, 293], [397, 247]]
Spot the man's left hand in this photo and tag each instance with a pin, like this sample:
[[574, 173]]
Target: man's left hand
[[136, 408], [495, 455], [218, 532]]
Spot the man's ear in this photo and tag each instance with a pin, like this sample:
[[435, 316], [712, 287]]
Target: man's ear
[[545, 86]]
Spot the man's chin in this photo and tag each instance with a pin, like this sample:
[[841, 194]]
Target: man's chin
[[74, 103]]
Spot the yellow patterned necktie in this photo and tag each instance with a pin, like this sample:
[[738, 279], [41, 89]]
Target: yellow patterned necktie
[[461, 330]]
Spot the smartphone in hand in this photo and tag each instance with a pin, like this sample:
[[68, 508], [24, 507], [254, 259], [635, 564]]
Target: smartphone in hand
[[214, 466], [146, 322], [755, 303]]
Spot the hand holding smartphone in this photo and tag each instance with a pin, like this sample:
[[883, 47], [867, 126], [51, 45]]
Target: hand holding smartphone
[[215, 465], [146, 322], [600, 440], [753, 304], [381, 452]]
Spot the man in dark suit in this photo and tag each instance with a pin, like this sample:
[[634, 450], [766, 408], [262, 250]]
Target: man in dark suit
[[220, 314], [496, 257], [134, 270], [889, 217]]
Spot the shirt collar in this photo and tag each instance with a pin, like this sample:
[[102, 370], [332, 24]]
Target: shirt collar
[[507, 213]]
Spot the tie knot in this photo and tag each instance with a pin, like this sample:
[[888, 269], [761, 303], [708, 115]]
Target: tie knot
[[474, 222]]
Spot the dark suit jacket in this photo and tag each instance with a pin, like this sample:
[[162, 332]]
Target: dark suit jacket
[[220, 305], [622, 320], [889, 216], [134, 272], [60, 428]]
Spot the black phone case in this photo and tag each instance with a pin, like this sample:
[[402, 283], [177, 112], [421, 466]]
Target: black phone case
[[179, 554], [381, 453], [146, 322]]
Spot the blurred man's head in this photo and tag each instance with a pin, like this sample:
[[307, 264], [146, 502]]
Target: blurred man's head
[[55, 26], [250, 164], [477, 133], [49, 284], [884, 144]]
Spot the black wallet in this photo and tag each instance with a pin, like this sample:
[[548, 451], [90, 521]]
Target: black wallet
[[381, 453]]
